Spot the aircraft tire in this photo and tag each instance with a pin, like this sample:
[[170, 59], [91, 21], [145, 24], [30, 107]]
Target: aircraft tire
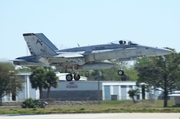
[[76, 77], [69, 77], [120, 72]]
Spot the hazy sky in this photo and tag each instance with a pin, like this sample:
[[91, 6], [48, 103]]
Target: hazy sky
[[88, 22]]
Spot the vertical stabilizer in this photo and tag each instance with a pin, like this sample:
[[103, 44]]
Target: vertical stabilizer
[[39, 44]]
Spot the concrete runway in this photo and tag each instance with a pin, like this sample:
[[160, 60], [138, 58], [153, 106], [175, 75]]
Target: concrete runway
[[97, 116]]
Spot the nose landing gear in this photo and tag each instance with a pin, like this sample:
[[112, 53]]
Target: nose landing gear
[[120, 72]]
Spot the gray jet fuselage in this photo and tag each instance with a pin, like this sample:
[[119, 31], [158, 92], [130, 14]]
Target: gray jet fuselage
[[111, 51]]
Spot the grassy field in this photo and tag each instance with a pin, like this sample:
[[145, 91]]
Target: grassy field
[[104, 107]]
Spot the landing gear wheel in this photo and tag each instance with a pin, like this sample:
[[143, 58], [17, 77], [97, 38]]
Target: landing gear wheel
[[69, 77], [120, 72], [76, 77]]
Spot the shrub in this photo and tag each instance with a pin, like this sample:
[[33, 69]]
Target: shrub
[[31, 103]]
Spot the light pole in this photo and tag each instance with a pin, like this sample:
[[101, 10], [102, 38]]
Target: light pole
[[100, 74]]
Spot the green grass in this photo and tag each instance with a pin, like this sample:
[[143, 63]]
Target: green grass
[[125, 106], [112, 102], [142, 103]]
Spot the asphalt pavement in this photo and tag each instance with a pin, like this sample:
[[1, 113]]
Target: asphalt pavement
[[97, 116]]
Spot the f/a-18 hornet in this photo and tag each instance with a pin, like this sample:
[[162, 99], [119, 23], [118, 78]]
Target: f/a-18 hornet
[[45, 53]]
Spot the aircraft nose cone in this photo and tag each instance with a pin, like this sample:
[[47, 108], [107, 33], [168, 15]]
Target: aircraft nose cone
[[162, 51]]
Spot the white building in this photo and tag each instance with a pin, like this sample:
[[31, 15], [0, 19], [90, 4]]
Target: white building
[[119, 88], [78, 90]]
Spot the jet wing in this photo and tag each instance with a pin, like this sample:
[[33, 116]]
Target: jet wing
[[68, 55], [63, 57], [131, 48]]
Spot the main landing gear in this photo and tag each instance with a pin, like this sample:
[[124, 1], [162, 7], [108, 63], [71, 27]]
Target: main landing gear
[[69, 77]]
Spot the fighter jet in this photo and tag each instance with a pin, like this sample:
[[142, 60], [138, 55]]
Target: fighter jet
[[45, 53]]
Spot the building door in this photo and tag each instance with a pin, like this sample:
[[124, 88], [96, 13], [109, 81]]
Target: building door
[[115, 90], [123, 93], [13, 97], [107, 95]]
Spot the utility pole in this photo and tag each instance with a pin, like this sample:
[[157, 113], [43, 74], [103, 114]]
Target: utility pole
[[100, 74]]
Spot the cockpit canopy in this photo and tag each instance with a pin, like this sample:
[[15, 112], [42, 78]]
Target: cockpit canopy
[[123, 42]]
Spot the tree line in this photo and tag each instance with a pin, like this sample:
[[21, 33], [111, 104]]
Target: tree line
[[11, 83]]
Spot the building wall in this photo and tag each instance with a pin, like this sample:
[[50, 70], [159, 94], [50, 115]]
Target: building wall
[[75, 90], [118, 88], [80, 90], [28, 91], [80, 95], [77, 85]]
